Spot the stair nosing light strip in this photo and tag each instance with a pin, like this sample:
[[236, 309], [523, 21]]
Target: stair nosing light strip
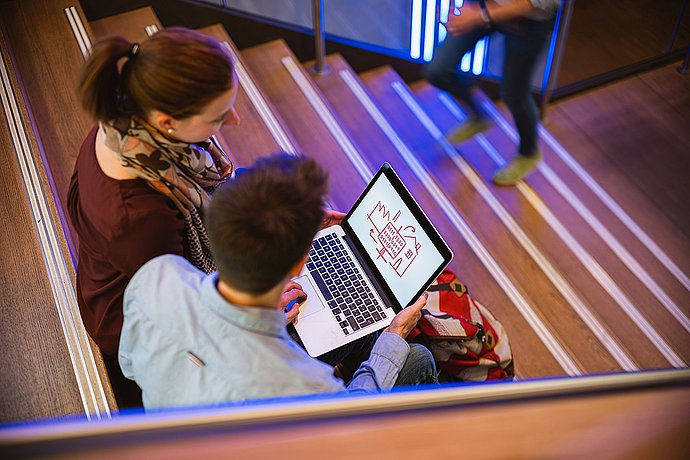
[[260, 104], [593, 267], [151, 29], [78, 31]]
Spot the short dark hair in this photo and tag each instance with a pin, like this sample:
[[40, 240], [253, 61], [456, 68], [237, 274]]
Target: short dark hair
[[177, 71], [263, 221]]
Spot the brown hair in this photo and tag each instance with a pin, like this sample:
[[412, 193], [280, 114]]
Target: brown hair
[[262, 222], [177, 71]]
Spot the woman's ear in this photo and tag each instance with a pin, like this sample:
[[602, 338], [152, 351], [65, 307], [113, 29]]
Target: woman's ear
[[162, 122]]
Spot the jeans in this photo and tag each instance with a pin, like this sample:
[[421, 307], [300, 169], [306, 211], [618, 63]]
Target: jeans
[[419, 367], [524, 41]]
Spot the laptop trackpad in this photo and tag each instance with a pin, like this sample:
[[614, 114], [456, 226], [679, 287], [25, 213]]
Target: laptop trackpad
[[313, 303]]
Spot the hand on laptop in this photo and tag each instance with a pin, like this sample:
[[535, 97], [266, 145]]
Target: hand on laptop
[[406, 320], [331, 217], [292, 291]]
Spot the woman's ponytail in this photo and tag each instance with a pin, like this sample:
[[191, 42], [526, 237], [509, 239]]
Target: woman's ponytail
[[176, 71], [100, 85]]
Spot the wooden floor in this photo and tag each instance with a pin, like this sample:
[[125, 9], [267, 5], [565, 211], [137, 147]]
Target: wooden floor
[[586, 263]]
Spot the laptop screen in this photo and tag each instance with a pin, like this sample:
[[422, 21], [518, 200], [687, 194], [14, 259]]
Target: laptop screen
[[397, 237]]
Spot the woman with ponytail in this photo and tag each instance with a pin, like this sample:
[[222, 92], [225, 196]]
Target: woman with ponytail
[[144, 173]]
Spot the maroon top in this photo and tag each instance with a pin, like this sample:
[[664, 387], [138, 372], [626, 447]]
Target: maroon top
[[121, 225]]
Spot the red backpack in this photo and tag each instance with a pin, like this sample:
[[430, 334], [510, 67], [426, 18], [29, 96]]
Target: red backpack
[[467, 342]]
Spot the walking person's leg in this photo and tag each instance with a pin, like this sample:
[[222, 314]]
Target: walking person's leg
[[442, 72], [521, 54]]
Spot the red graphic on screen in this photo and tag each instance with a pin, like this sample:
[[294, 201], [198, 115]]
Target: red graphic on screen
[[396, 244]]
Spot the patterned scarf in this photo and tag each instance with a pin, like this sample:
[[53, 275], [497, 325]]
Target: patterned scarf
[[185, 173]]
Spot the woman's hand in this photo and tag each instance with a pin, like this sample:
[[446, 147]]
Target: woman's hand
[[331, 218], [292, 291]]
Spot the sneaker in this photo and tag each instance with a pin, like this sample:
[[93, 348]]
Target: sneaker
[[517, 169], [467, 129]]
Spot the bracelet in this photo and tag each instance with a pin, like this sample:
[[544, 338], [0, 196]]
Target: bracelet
[[484, 12]]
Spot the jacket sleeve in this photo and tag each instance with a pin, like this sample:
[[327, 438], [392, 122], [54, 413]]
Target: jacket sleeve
[[381, 370]]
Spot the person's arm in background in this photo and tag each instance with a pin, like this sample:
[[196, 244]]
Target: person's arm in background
[[471, 18], [390, 352]]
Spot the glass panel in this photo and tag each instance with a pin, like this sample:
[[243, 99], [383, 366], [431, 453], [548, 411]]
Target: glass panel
[[606, 36], [383, 23]]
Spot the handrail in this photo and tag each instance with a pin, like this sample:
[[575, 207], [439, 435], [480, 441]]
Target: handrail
[[333, 406]]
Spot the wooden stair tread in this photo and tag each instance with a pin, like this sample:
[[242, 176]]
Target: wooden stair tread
[[303, 121], [39, 379], [131, 24]]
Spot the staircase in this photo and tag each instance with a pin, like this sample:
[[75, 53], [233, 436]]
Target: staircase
[[580, 287]]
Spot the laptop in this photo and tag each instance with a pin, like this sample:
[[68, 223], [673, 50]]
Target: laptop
[[359, 274]]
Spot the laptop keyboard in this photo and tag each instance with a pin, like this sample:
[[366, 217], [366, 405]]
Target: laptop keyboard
[[349, 297]]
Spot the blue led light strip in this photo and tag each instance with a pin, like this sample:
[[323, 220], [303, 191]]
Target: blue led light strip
[[416, 29], [429, 30]]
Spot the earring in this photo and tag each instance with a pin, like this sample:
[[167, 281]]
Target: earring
[[170, 130]]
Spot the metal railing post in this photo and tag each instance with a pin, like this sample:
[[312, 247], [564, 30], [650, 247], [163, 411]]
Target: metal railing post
[[317, 12]]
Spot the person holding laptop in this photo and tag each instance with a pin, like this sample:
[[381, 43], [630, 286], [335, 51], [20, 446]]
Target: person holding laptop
[[190, 338]]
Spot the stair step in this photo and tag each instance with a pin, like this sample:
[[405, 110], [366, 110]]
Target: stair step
[[548, 305], [261, 131], [269, 63], [136, 25]]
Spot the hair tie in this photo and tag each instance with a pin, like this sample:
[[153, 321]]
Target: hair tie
[[133, 50]]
